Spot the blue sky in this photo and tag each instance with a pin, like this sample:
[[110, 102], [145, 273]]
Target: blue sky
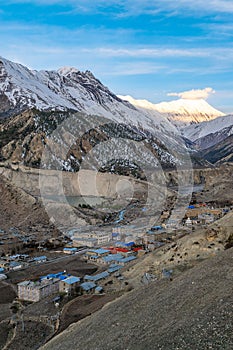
[[147, 49]]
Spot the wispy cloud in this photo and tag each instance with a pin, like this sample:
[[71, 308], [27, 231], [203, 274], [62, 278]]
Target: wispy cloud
[[136, 7], [160, 52], [211, 6], [219, 30], [122, 61], [134, 68], [148, 52]]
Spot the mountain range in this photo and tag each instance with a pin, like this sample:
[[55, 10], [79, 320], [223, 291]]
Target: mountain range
[[33, 103], [180, 113]]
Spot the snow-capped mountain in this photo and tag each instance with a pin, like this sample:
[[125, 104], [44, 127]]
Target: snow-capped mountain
[[38, 100], [55, 95], [203, 128], [181, 112], [67, 88]]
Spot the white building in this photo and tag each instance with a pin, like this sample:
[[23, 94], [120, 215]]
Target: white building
[[91, 239], [119, 233], [84, 241], [102, 237], [188, 222], [35, 291]]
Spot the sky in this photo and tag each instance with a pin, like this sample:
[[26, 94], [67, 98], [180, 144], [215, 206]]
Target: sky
[[157, 50]]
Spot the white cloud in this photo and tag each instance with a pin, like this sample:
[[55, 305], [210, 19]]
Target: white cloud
[[197, 94]]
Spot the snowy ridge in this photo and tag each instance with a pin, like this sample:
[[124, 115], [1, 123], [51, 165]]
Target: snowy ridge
[[195, 132], [69, 88], [149, 109], [181, 112]]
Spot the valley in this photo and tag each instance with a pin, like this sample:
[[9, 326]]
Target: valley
[[112, 210]]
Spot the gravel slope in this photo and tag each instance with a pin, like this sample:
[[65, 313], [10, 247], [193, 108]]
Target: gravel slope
[[194, 311]]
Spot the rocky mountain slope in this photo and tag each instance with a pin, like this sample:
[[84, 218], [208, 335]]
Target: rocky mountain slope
[[66, 89], [33, 104], [24, 137], [180, 113], [221, 127], [213, 139], [220, 152]]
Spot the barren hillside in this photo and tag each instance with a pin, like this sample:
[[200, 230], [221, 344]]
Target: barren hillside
[[193, 311]]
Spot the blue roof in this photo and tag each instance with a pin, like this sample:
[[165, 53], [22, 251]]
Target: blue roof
[[14, 264], [71, 280], [128, 259], [1, 269], [114, 268], [43, 257], [97, 277], [12, 257], [98, 289], [70, 249], [123, 244], [63, 277], [113, 257], [60, 275], [88, 285], [129, 244], [113, 265], [100, 251]]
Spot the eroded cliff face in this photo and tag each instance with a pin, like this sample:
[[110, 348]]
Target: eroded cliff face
[[22, 206], [83, 183], [60, 194], [22, 187], [216, 182], [19, 208]]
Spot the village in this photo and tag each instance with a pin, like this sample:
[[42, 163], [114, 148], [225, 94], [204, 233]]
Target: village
[[52, 280]]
